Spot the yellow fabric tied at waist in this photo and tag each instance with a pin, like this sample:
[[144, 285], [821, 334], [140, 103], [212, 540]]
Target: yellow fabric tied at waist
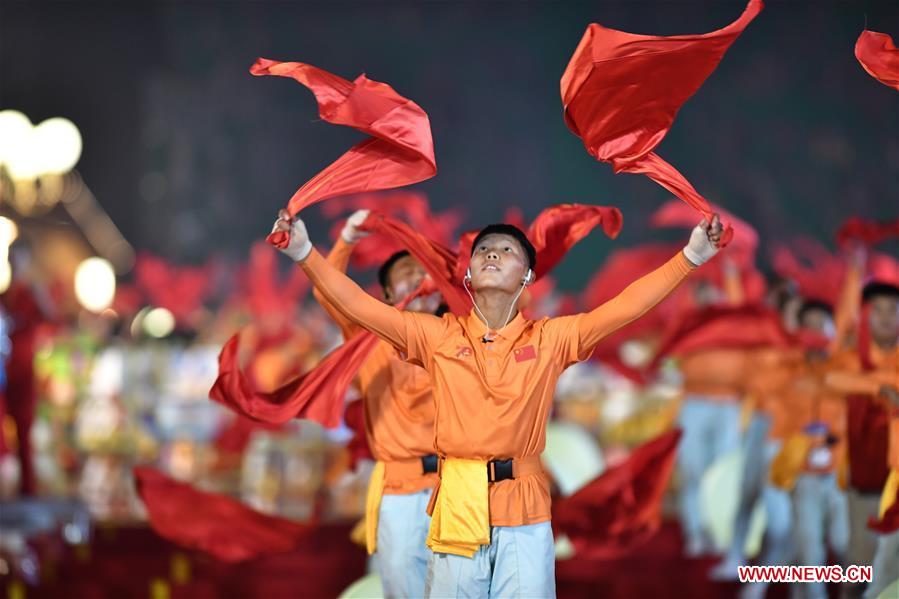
[[373, 507], [888, 498], [460, 508], [790, 461]]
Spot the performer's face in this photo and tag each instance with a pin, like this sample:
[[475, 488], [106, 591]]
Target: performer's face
[[818, 321], [404, 277], [498, 262], [884, 319]]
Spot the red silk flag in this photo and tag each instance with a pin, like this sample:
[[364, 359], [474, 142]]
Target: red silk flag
[[264, 291], [621, 92], [558, 228], [878, 55], [409, 205], [621, 508], [678, 214], [399, 151], [317, 395], [180, 290], [818, 273], [744, 326], [553, 233], [437, 260], [215, 524], [866, 232]]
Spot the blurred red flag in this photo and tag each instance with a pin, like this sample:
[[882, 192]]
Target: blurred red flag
[[317, 395], [621, 508], [878, 55], [180, 290], [399, 152], [621, 92], [743, 326], [866, 232], [553, 233], [216, 524]]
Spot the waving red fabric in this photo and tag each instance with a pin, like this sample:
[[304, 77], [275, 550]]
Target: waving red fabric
[[438, 260], [621, 508], [354, 417], [405, 204], [677, 214], [867, 232], [262, 288], [725, 327], [399, 152], [317, 395], [621, 92], [878, 55], [180, 290], [213, 523], [553, 233], [819, 274], [558, 228]]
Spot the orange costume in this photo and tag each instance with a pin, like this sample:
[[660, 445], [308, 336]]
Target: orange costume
[[398, 409], [492, 399]]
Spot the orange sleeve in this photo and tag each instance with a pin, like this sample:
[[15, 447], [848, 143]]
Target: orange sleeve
[[848, 306], [733, 284], [636, 300], [339, 258], [862, 383], [408, 332]]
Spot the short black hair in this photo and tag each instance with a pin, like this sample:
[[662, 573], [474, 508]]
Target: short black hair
[[879, 288], [512, 231], [384, 271], [811, 305]]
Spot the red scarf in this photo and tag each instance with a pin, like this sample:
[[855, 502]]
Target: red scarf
[[399, 152], [621, 508], [216, 524], [878, 55], [621, 92]]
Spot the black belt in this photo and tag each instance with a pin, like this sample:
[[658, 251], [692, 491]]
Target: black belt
[[498, 470], [429, 463]]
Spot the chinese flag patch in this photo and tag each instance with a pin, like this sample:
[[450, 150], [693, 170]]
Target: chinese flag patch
[[525, 353]]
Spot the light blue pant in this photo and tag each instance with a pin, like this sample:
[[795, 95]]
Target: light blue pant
[[885, 566], [710, 430], [820, 509], [402, 555], [758, 453], [519, 562]]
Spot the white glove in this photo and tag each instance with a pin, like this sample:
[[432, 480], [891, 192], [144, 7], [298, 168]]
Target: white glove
[[299, 246], [351, 232], [701, 248]]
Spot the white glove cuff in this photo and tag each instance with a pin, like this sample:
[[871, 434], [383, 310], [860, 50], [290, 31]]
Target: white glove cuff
[[694, 258], [300, 253]]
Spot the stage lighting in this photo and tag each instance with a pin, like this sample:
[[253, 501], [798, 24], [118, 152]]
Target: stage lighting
[[95, 284]]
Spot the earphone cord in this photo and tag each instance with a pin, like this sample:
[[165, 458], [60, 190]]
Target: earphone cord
[[481, 314]]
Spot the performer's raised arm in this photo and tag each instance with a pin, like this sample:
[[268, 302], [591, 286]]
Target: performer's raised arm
[[642, 295], [401, 329], [339, 258]]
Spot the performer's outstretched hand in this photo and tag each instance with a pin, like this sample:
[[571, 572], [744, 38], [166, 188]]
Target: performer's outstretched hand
[[300, 246], [704, 239], [351, 232]]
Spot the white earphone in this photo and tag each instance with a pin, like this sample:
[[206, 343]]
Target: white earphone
[[526, 280]]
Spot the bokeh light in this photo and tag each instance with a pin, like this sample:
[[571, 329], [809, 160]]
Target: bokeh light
[[95, 284]]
